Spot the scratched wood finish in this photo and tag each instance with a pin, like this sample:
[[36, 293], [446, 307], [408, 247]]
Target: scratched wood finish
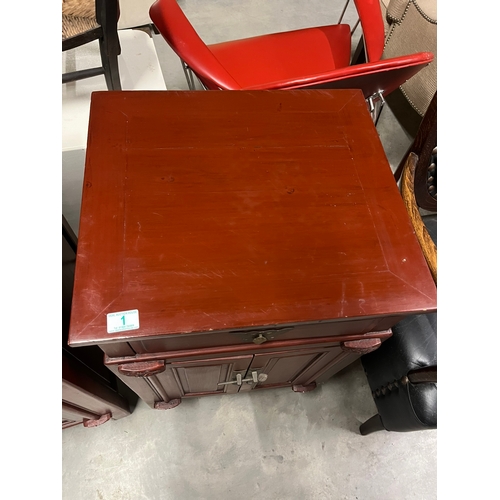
[[225, 210]]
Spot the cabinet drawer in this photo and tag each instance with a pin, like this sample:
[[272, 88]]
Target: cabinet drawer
[[345, 330]]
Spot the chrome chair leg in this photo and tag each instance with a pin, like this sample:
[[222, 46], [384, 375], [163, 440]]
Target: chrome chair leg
[[343, 12], [375, 105], [189, 75], [342, 17], [380, 106]]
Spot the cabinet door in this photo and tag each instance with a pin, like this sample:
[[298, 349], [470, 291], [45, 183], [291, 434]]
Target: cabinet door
[[203, 377], [292, 368], [171, 381]]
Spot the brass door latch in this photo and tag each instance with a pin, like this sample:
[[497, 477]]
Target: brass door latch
[[255, 379]]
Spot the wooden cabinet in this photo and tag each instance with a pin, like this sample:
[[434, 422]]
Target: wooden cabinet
[[239, 241], [87, 398]]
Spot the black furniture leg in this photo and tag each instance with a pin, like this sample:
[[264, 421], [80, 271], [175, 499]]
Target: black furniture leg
[[110, 49], [373, 424]]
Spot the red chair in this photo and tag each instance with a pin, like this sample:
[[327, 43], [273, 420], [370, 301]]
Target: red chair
[[316, 57]]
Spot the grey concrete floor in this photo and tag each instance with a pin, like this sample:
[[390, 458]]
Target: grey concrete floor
[[273, 444]]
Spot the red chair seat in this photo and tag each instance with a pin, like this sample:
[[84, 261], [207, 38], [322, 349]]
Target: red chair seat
[[285, 56], [317, 57]]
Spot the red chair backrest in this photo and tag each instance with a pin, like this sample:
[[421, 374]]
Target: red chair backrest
[[370, 77], [372, 23]]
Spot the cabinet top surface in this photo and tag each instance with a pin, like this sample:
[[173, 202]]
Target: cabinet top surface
[[223, 210]]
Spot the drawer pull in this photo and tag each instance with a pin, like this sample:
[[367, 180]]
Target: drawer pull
[[260, 336], [260, 339]]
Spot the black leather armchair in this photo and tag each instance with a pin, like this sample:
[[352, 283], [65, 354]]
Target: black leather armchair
[[402, 372]]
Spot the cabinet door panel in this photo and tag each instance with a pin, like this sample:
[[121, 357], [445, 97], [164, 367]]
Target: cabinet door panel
[[292, 367], [284, 368], [196, 378], [330, 359]]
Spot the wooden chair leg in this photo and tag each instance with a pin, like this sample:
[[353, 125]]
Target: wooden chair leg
[[110, 49], [373, 424]]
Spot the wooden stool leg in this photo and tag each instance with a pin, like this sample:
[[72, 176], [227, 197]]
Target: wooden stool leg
[[373, 424], [110, 50]]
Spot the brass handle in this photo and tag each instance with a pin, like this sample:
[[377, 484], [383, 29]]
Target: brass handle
[[260, 339]]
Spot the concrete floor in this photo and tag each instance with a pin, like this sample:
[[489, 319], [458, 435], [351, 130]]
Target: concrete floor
[[273, 444]]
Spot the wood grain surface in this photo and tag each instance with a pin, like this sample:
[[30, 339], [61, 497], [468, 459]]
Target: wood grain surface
[[210, 211]]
